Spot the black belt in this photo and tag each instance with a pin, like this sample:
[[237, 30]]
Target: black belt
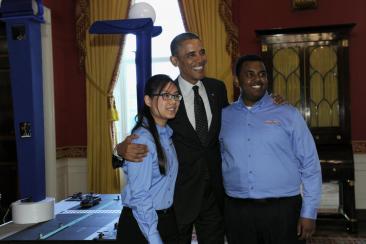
[[164, 211], [159, 212], [261, 200]]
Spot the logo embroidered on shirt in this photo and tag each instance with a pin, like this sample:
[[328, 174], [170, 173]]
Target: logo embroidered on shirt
[[272, 122]]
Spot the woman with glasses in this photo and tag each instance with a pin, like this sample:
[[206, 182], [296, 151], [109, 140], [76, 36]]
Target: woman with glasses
[[147, 215]]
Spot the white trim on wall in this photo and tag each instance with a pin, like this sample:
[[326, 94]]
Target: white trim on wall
[[360, 180], [71, 177], [48, 106]]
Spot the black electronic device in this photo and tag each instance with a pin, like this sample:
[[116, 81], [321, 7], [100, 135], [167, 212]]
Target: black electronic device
[[90, 200]]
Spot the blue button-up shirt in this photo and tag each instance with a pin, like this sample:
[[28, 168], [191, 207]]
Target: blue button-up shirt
[[147, 189], [268, 151]]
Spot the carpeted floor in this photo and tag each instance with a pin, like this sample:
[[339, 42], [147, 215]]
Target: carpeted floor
[[323, 240], [337, 240], [327, 240], [332, 234], [328, 234], [328, 237]]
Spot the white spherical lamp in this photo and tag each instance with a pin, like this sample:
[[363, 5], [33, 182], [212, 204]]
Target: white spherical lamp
[[142, 10]]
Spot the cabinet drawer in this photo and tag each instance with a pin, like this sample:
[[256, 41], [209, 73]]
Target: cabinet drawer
[[337, 171]]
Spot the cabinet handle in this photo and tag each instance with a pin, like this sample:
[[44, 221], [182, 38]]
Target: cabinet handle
[[339, 137], [334, 169]]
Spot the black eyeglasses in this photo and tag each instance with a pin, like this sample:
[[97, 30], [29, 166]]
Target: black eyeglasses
[[168, 96]]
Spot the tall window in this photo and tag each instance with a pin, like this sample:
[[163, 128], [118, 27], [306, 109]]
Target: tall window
[[169, 18]]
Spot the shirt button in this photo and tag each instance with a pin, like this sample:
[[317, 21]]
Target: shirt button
[[251, 187], [250, 172], [248, 124], [249, 155], [248, 139]]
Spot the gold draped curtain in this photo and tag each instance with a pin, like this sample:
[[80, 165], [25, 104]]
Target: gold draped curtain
[[212, 21], [102, 56]]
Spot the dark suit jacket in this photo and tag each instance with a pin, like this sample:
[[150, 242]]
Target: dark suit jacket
[[194, 158]]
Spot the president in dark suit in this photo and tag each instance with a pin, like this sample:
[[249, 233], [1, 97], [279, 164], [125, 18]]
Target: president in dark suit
[[199, 193]]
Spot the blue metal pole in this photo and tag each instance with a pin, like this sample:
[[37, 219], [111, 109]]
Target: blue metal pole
[[25, 57]]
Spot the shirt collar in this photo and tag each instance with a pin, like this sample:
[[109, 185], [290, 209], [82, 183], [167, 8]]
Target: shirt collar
[[263, 101], [162, 130], [186, 87]]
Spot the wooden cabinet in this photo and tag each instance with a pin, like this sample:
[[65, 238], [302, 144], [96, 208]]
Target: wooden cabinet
[[309, 67], [8, 156]]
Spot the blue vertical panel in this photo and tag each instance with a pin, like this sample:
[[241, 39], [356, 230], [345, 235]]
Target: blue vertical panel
[[25, 57], [143, 63]]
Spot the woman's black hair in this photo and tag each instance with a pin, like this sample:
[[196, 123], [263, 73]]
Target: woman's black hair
[[154, 85]]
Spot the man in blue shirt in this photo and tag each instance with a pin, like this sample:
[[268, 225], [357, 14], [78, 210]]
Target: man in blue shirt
[[268, 158]]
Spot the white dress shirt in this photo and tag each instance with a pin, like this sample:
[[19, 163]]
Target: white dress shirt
[[186, 89]]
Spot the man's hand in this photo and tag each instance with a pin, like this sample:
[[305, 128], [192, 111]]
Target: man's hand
[[305, 228], [278, 99], [130, 151]]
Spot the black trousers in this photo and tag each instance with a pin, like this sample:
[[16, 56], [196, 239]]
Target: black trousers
[[262, 221], [209, 224], [129, 232]]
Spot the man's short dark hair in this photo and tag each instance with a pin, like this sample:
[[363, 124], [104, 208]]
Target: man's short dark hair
[[246, 58], [177, 41]]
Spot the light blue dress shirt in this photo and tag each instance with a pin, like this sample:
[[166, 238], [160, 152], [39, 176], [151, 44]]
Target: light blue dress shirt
[[147, 190], [268, 151]]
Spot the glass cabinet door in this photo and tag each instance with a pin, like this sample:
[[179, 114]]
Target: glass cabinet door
[[323, 86], [286, 71], [308, 78]]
